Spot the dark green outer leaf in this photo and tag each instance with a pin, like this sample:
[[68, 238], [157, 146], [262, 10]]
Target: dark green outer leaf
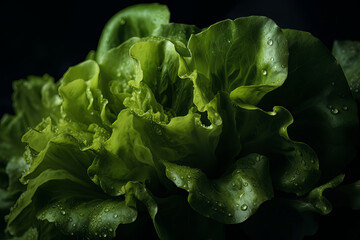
[[318, 96], [347, 53], [346, 195], [294, 165]]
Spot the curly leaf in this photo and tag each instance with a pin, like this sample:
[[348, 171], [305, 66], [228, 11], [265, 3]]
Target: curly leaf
[[233, 197], [294, 165], [321, 103], [246, 57]]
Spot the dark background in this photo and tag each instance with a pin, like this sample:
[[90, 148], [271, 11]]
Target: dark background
[[38, 37]]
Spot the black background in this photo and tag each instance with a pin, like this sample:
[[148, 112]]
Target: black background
[[38, 37]]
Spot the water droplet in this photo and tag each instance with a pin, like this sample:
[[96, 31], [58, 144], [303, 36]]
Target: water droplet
[[272, 59], [104, 235], [74, 224], [228, 41], [244, 207], [334, 111], [345, 108], [220, 204], [246, 184], [229, 214], [110, 229], [106, 210], [270, 42], [264, 72], [63, 212], [115, 215], [237, 205], [72, 234], [70, 219]]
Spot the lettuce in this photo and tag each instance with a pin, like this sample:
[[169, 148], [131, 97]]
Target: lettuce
[[181, 132]]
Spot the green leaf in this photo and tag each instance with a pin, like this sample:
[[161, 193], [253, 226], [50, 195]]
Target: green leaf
[[36, 98], [143, 103], [135, 21], [177, 33], [30, 234], [231, 198], [246, 57], [175, 219], [61, 152], [315, 200], [117, 69], [294, 165], [346, 195], [320, 101], [347, 53], [160, 73], [82, 100], [75, 206]]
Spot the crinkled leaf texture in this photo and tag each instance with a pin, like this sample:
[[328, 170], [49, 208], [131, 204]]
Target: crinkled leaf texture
[[172, 132]]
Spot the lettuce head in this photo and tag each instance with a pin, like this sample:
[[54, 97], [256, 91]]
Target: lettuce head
[[169, 131]]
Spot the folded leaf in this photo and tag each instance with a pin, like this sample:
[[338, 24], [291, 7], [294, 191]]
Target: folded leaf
[[233, 197], [246, 57], [320, 101]]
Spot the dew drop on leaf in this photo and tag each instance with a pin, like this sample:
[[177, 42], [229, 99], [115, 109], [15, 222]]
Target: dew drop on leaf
[[270, 42], [264, 72], [334, 111], [244, 207]]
